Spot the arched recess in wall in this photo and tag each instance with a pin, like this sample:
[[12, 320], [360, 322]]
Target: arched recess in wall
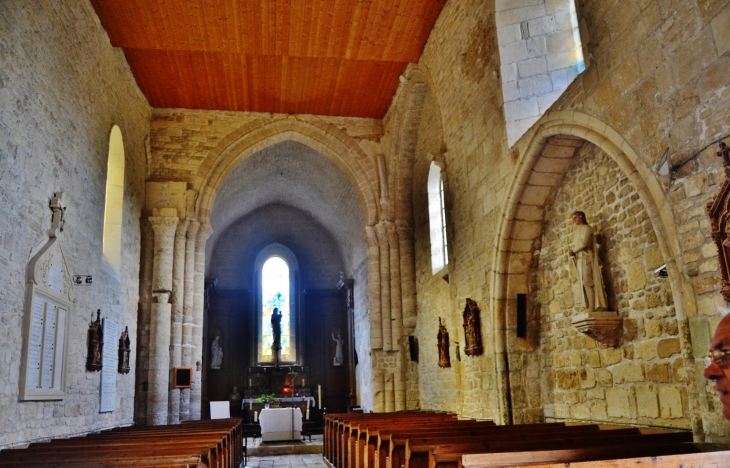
[[114, 202], [409, 113], [409, 105], [540, 171], [541, 54], [330, 141]]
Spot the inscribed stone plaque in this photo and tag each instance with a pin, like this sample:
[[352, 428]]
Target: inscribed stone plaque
[[110, 360]]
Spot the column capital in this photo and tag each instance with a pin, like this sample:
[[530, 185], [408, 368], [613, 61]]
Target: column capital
[[182, 228]]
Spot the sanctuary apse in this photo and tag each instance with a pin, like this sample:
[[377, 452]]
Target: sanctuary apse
[[520, 134]]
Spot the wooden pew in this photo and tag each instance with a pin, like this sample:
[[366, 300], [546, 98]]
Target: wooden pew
[[448, 455], [376, 440], [338, 429], [396, 450], [607, 452], [693, 460], [202, 443]]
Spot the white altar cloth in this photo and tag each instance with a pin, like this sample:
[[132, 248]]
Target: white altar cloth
[[281, 424]]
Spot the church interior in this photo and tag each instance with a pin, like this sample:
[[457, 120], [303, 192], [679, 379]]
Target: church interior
[[394, 183]]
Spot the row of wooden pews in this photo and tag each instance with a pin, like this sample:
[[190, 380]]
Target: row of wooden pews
[[205, 444], [433, 440]]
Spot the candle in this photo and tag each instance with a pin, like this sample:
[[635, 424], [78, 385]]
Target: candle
[[319, 393], [307, 413], [250, 404], [303, 382], [255, 416], [308, 402], [249, 383]]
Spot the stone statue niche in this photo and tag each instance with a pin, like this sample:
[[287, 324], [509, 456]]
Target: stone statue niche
[[593, 318], [472, 329], [719, 212], [443, 345]]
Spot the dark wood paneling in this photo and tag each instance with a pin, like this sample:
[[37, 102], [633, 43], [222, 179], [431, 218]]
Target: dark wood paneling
[[324, 312], [230, 316]]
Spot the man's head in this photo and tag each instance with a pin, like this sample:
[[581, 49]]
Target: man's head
[[579, 217], [718, 369]]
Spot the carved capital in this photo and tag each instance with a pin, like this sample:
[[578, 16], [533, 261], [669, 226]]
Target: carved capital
[[604, 327]]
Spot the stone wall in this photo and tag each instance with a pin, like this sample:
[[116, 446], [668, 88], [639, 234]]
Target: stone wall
[[62, 87], [653, 82], [643, 380]]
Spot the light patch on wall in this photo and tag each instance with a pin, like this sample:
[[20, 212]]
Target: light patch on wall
[[114, 203]]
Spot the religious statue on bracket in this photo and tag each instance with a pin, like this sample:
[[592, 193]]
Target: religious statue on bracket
[[719, 214], [338, 361], [585, 266], [95, 342], [472, 329], [443, 344], [124, 351], [216, 353]]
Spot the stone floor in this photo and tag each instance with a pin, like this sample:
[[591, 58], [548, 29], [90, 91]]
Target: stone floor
[[309, 460]]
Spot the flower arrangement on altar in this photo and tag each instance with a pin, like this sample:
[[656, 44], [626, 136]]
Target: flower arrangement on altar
[[267, 398]]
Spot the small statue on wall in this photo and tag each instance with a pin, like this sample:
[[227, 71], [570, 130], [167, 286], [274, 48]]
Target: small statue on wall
[[124, 351], [585, 267], [95, 342], [276, 328], [719, 215], [443, 344], [216, 353], [338, 360], [472, 329]]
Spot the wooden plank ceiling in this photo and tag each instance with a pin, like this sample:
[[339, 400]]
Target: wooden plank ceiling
[[324, 57]]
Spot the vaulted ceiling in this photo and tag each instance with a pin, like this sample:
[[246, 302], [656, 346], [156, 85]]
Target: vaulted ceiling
[[324, 57]]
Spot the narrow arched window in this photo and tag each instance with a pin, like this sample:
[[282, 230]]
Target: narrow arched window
[[275, 295], [437, 219], [114, 202]]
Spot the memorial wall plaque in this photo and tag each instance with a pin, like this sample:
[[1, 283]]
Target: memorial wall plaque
[[110, 359], [49, 298]]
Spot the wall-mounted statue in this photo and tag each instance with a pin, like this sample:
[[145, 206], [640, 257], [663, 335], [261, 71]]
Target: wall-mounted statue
[[96, 343], [337, 338], [124, 351], [276, 328], [719, 214], [585, 267], [443, 344], [472, 329], [216, 353]]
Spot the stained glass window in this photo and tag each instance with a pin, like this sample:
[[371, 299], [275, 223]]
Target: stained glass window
[[275, 294]]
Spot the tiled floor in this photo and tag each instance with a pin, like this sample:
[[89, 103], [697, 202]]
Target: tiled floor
[[313, 460]]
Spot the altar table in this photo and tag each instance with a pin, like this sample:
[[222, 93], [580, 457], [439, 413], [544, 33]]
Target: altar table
[[280, 424]]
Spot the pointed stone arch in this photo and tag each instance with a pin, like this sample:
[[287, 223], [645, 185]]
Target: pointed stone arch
[[330, 141], [521, 223]]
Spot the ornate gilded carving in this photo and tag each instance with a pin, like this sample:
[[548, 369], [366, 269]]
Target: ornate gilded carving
[[472, 329], [443, 344], [96, 343], [719, 212], [124, 351]]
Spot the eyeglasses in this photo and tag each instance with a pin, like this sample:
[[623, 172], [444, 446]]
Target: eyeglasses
[[718, 357]]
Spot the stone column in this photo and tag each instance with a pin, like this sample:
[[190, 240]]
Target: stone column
[[164, 222], [178, 295], [197, 325], [378, 390], [389, 392], [396, 305], [376, 318], [187, 323], [143, 321], [380, 229], [408, 276]]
